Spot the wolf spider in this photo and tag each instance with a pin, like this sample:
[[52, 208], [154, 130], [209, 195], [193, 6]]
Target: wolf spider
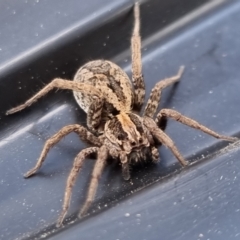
[[105, 93]]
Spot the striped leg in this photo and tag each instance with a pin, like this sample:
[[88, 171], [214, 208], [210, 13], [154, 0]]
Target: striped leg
[[155, 95], [95, 109], [77, 165], [137, 78]]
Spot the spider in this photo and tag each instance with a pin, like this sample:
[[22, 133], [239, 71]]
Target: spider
[[115, 128]]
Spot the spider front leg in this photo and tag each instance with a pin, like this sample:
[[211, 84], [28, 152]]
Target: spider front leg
[[164, 139], [155, 96], [169, 113], [77, 165], [95, 109], [137, 77], [83, 133]]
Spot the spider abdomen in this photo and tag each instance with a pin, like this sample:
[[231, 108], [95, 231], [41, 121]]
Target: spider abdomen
[[111, 81]]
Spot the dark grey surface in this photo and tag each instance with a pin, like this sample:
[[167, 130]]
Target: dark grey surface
[[29, 25], [200, 202]]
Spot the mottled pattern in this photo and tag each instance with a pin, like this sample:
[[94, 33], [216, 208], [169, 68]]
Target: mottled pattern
[[110, 80], [137, 122]]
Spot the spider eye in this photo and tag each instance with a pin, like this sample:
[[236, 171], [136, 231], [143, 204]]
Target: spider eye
[[120, 137], [140, 140], [133, 143]]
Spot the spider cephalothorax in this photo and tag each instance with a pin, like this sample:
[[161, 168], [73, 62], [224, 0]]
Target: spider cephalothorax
[[123, 132], [131, 141], [104, 91]]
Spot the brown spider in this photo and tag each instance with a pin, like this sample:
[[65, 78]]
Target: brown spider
[[104, 91]]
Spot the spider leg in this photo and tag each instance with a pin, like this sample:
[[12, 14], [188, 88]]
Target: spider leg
[[94, 114], [80, 130], [125, 166], [155, 96], [77, 165], [164, 139], [97, 171], [169, 113], [137, 77], [155, 154]]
